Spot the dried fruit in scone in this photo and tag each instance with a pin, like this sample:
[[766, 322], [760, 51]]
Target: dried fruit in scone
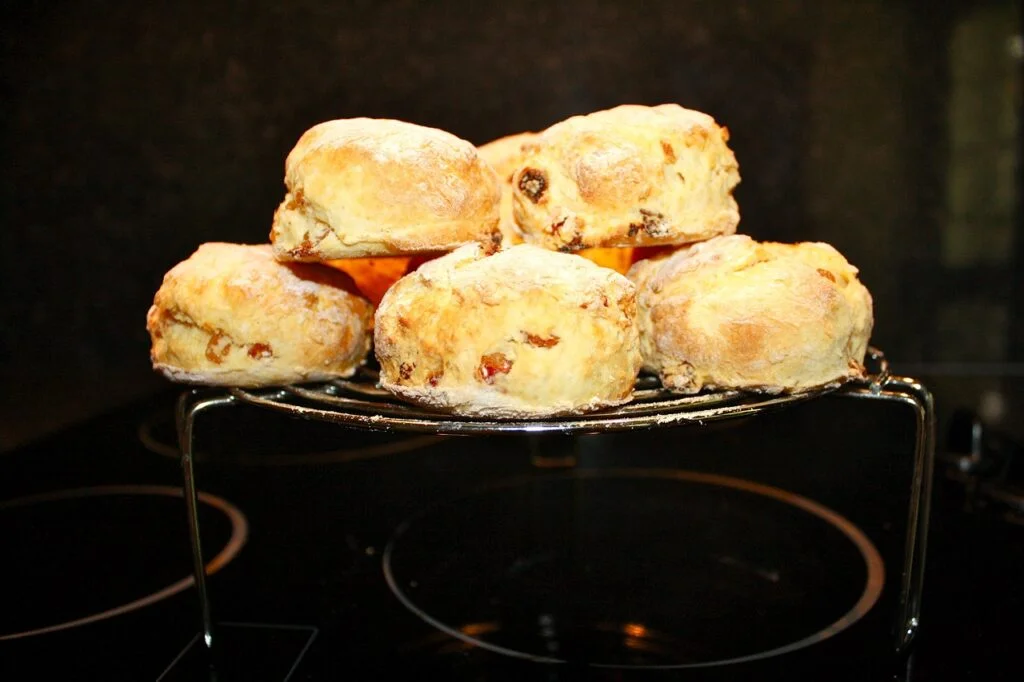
[[377, 187], [525, 332], [232, 315], [506, 157], [628, 176], [732, 313]]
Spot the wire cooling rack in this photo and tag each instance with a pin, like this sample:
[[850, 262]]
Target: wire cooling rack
[[359, 403]]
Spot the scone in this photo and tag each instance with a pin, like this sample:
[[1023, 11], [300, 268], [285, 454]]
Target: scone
[[506, 155], [232, 315], [628, 176], [525, 332], [377, 187], [731, 313]]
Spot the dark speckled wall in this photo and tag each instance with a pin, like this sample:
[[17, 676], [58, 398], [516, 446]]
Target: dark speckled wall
[[133, 132]]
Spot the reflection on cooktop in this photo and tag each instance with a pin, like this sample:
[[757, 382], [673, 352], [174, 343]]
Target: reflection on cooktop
[[489, 544], [635, 569]]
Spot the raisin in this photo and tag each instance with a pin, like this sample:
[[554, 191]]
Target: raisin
[[305, 249], [405, 371], [670, 154], [540, 341], [491, 365], [434, 377], [533, 183], [492, 243], [653, 223], [296, 201], [215, 354], [260, 350]]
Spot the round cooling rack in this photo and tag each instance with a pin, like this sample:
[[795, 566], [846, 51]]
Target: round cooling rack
[[359, 403]]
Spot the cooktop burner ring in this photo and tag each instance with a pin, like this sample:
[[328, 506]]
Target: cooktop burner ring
[[873, 567], [238, 538]]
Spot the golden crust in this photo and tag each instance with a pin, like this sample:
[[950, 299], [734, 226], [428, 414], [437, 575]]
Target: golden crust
[[733, 313], [628, 176], [376, 187], [525, 332], [505, 155], [232, 315]]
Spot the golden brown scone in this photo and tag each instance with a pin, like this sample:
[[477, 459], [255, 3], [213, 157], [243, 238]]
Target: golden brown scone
[[231, 315], [525, 332], [733, 313], [377, 187], [628, 176], [506, 157]]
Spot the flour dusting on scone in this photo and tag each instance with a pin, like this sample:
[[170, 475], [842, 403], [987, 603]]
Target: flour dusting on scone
[[629, 176], [378, 187], [524, 332], [232, 315], [732, 313]]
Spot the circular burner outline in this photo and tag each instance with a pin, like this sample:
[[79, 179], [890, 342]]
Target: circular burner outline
[[237, 540], [342, 456], [872, 561]]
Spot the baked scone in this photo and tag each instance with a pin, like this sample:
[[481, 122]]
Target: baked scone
[[732, 313], [506, 157], [629, 176], [376, 187], [525, 332], [232, 315]]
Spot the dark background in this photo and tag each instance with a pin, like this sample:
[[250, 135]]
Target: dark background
[[133, 132]]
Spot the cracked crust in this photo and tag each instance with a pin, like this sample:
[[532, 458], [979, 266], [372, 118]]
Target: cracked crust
[[231, 315], [506, 155], [376, 187], [628, 176], [525, 332], [734, 313]]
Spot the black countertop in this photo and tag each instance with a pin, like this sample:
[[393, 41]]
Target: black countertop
[[970, 620]]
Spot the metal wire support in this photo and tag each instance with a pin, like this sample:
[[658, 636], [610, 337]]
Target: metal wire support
[[190, 404], [359, 403], [884, 386]]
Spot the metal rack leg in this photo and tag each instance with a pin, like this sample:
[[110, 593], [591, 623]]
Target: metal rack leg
[[190, 404], [913, 393]]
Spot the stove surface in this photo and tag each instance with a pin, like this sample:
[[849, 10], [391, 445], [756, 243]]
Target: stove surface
[[768, 548]]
